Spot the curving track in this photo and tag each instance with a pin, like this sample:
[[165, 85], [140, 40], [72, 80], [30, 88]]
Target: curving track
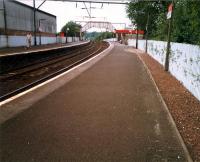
[[23, 72]]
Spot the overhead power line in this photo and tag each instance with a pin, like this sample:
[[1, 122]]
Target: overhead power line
[[100, 1]]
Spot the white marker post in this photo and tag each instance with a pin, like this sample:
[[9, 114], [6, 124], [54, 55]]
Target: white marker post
[[170, 9]]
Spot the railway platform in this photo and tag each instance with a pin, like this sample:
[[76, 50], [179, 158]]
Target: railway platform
[[106, 109], [24, 50]]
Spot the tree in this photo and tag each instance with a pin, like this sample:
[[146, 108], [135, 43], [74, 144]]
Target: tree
[[104, 35], [186, 19], [186, 25], [71, 28], [138, 12], [98, 36]]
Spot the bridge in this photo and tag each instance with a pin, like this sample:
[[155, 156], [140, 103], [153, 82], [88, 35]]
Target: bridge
[[98, 24]]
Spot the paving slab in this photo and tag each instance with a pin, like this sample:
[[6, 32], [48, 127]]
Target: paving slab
[[111, 112]]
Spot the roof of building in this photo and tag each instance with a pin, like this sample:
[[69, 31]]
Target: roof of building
[[17, 2]]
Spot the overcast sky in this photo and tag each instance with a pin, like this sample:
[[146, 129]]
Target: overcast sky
[[66, 11]]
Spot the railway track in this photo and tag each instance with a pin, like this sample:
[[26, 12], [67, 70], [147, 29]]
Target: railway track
[[16, 79]]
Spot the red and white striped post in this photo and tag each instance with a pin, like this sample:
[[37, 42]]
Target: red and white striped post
[[169, 16]]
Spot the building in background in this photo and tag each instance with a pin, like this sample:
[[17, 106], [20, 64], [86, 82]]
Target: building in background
[[17, 19]]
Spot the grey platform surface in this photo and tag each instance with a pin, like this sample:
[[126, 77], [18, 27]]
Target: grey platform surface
[[34, 49], [111, 112]]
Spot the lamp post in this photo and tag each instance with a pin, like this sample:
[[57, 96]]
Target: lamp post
[[74, 40], [138, 12], [67, 33], [40, 29], [80, 34]]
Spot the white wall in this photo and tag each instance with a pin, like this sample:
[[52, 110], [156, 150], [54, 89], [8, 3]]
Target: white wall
[[184, 61], [69, 39], [111, 40], [61, 39], [48, 40], [3, 41], [16, 41]]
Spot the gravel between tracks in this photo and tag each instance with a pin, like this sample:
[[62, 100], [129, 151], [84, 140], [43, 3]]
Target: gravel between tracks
[[183, 106]]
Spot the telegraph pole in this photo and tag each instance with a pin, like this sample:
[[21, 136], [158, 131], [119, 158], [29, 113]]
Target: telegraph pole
[[169, 16], [5, 22], [34, 23], [137, 37]]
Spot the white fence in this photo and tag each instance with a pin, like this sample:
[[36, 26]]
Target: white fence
[[184, 61], [16, 41], [111, 40]]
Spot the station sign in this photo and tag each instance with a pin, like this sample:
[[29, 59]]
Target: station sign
[[170, 9]]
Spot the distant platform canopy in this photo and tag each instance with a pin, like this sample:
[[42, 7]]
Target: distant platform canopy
[[129, 31]]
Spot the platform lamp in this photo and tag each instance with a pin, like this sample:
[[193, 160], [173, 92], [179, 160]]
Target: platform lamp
[[67, 30], [80, 32], [40, 29]]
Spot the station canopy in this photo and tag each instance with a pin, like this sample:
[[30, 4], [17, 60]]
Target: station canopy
[[128, 31]]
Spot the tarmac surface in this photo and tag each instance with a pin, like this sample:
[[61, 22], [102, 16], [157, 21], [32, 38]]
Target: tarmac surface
[[111, 112]]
